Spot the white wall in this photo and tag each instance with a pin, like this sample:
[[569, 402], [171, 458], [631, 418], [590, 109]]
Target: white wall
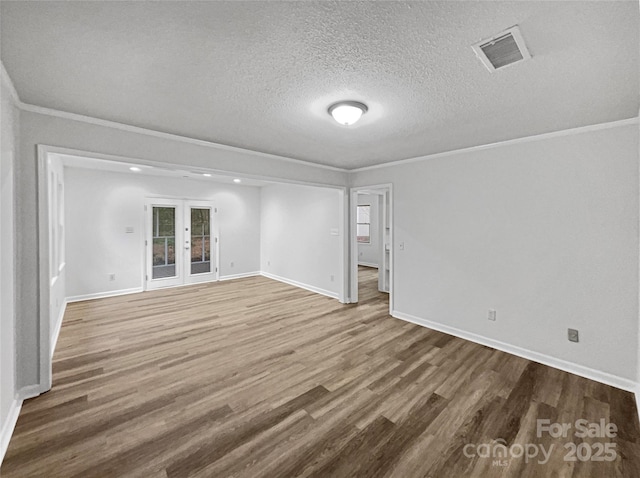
[[301, 236], [38, 128], [369, 254], [543, 231], [101, 204], [8, 153]]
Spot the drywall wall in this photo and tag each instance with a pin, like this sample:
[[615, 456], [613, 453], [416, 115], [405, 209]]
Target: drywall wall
[[38, 128], [301, 236], [101, 205], [8, 154], [369, 254], [543, 231]]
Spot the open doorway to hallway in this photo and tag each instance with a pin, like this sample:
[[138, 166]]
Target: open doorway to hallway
[[371, 244]]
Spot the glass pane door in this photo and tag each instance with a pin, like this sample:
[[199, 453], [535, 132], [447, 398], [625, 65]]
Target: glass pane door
[[164, 242], [201, 243], [200, 240], [181, 244]]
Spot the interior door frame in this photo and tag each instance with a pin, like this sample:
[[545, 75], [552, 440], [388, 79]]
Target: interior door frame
[[43, 355], [182, 203], [353, 243]]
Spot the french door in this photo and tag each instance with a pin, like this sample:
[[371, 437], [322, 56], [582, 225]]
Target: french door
[[180, 246]]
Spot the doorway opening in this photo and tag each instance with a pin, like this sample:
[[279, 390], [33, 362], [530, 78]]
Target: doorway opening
[[181, 242], [371, 244]]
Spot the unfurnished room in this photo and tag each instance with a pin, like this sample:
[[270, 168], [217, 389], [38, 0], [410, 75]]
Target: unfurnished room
[[326, 239]]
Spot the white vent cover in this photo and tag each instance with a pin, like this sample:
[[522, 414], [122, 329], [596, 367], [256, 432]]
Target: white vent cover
[[502, 50]]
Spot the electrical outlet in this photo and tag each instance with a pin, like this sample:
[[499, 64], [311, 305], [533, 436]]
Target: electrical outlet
[[572, 335], [492, 314], [231, 264], [331, 278], [112, 277], [268, 263]]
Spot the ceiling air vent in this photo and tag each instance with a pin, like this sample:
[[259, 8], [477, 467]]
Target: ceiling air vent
[[502, 50]]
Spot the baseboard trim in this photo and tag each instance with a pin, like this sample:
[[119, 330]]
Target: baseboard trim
[[30, 391], [368, 264], [317, 290], [586, 372], [58, 325], [239, 276], [8, 426], [102, 295]]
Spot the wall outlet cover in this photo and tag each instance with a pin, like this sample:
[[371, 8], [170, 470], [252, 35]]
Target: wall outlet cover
[[573, 335]]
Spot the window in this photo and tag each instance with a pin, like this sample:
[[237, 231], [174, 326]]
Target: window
[[363, 224]]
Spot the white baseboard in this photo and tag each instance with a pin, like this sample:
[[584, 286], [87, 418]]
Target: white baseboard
[[30, 391], [592, 374], [102, 295], [56, 329], [368, 264], [317, 290], [8, 426], [239, 276]]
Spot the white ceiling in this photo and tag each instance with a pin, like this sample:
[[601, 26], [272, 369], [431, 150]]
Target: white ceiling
[[148, 170], [260, 75]]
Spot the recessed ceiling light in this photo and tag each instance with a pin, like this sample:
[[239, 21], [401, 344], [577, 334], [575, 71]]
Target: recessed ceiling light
[[134, 168], [237, 180], [347, 112], [206, 174]]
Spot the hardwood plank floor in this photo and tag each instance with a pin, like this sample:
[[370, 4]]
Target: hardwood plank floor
[[255, 378]]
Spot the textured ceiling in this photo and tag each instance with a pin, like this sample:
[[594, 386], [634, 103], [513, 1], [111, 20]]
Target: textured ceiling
[[260, 75]]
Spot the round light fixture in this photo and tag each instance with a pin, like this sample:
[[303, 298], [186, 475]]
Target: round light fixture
[[237, 180], [134, 168], [347, 112], [207, 175]]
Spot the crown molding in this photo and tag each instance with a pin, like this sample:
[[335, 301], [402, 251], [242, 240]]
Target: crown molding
[[12, 88], [524, 139], [175, 137], [223, 147]]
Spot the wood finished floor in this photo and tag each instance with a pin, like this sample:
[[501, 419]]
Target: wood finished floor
[[254, 378]]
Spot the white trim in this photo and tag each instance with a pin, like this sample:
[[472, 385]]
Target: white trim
[[239, 276], [160, 134], [44, 269], [8, 426], [102, 295], [57, 326], [31, 391], [590, 373], [368, 264], [317, 290], [12, 88], [524, 139]]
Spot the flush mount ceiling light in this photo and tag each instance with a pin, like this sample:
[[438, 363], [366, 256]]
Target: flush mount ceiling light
[[134, 168], [207, 175], [347, 112], [237, 180]]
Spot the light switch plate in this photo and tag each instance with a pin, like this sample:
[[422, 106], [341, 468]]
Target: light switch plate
[[573, 335]]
